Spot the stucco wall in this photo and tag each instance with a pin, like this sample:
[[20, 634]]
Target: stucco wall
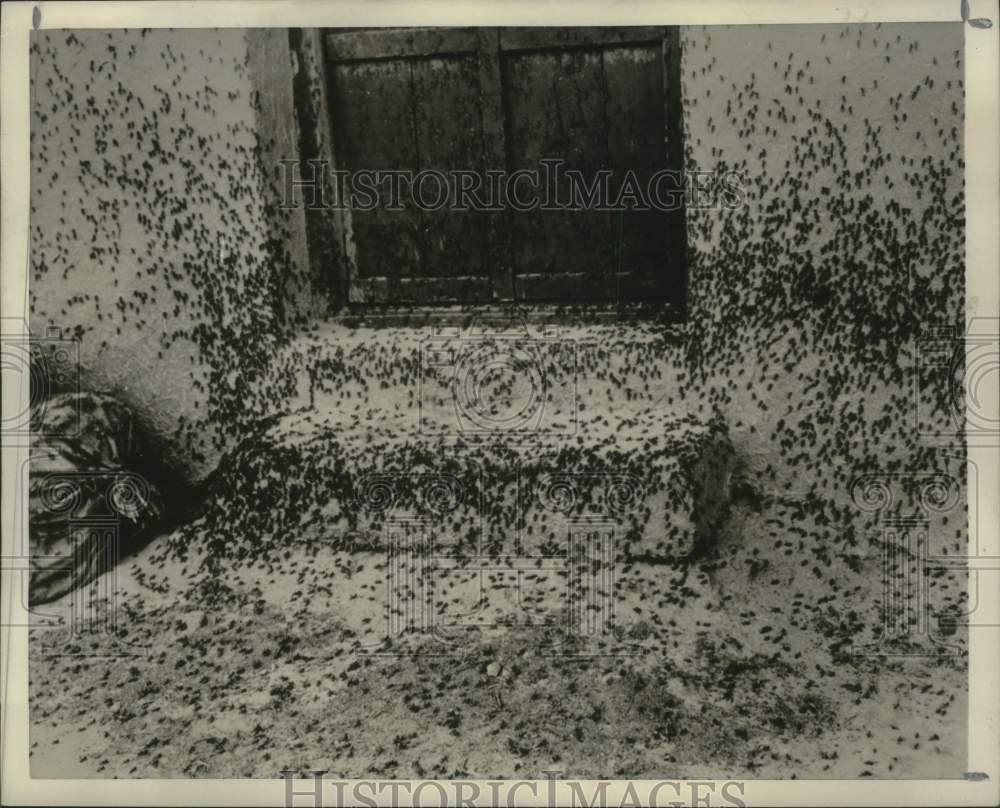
[[808, 301], [154, 235]]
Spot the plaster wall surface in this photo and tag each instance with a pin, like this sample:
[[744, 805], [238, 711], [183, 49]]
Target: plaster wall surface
[[154, 238], [808, 302]]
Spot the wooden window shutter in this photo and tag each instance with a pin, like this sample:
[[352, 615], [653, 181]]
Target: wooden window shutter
[[479, 99]]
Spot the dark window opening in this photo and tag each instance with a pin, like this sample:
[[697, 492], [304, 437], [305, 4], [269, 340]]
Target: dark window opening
[[478, 100]]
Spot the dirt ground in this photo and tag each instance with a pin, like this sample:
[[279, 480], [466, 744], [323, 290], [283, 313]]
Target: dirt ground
[[752, 678]]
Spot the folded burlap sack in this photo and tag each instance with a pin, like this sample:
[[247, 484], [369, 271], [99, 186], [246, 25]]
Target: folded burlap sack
[[90, 502]]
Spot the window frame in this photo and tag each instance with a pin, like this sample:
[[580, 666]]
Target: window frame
[[333, 254]]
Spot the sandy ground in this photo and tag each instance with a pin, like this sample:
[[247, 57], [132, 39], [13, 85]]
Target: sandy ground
[[263, 670]]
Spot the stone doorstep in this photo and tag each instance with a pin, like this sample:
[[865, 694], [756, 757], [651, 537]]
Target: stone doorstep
[[660, 496], [415, 373], [495, 441], [609, 580], [531, 510]]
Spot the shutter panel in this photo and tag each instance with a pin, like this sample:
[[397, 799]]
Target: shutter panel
[[479, 99], [595, 98], [410, 100]]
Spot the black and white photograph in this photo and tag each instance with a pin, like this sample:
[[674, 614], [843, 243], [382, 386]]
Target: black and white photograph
[[570, 404]]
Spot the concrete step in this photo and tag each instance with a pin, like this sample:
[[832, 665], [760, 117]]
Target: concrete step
[[589, 538], [553, 479], [660, 480]]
